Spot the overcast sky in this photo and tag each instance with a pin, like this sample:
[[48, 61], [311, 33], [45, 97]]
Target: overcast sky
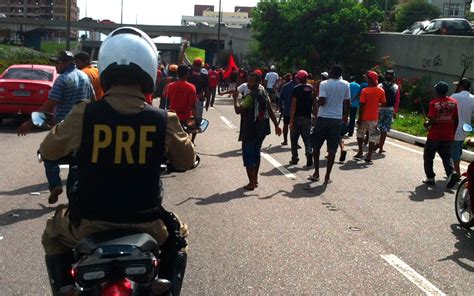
[[151, 12]]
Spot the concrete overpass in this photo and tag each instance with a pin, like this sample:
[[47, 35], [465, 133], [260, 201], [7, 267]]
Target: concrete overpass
[[236, 39]]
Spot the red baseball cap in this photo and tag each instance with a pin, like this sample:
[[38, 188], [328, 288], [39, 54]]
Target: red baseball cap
[[373, 76], [258, 72], [197, 62], [302, 75]]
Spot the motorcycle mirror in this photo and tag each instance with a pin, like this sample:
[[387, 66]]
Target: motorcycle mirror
[[467, 128], [192, 127], [41, 119]]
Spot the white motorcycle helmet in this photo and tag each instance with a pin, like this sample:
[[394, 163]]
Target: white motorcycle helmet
[[128, 55]]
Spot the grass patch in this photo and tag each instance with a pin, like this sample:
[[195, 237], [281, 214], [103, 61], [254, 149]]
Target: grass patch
[[410, 123], [53, 48], [11, 55]]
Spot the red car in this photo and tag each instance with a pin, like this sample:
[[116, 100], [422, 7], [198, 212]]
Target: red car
[[24, 88]]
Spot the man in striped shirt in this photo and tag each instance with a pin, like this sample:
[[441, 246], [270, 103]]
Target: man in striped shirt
[[70, 87]]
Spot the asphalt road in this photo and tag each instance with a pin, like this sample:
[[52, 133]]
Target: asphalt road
[[375, 230]]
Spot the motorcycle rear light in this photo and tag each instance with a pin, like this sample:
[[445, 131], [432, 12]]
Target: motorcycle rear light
[[138, 270], [156, 262], [120, 288], [95, 275], [73, 270]]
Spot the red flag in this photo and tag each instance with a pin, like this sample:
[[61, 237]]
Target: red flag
[[230, 65]]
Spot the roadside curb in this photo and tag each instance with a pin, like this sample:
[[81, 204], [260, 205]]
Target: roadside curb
[[421, 141]]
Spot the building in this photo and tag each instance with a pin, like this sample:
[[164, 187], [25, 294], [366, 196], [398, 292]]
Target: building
[[199, 9], [41, 10], [246, 9], [205, 15], [452, 8]]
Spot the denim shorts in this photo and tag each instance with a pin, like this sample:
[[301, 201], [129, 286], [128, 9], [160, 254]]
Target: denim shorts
[[251, 152], [457, 150]]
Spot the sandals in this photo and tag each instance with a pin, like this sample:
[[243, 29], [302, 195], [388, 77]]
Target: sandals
[[313, 178]]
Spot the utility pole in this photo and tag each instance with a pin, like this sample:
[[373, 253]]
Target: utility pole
[[218, 49], [121, 14], [68, 25]]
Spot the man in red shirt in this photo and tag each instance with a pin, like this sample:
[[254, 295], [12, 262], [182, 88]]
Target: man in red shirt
[[442, 125], [182, 95], [213, 81]]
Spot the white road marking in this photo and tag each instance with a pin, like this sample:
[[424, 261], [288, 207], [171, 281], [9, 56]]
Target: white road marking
[[279, 167], [64, 166], [412, 275], [228, 122], [464, 167]]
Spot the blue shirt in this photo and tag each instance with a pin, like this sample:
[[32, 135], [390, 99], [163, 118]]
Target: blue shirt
[[285, 96], [355, 92], [70, 87]]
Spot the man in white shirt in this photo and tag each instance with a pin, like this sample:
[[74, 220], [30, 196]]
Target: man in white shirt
[[270, 81], [465, 112], [333, 111]]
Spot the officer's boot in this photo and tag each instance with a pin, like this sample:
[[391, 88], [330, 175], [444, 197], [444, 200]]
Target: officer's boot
[[59, 271]]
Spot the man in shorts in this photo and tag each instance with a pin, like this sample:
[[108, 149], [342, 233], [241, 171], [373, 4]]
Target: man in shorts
[[371, 98], [333, 110], [388, 113], [270, 81]]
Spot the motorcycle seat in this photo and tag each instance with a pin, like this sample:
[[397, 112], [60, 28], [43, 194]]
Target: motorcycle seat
[[89, 244]]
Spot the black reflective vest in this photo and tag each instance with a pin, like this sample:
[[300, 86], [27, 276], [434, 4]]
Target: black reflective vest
[[390, 93], [119, 164]]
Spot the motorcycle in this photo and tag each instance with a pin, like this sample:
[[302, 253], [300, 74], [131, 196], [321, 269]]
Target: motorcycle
[[465, 193], [118, 262]]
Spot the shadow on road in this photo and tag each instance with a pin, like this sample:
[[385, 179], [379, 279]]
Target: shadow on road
[[425, 192], [219, 198], [19, 215], [9, 126], [26, 190], [228, 154], [301, 190], [464, 255]]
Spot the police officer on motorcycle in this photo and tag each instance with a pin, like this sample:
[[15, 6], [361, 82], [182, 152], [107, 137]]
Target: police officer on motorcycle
[[120, 143]]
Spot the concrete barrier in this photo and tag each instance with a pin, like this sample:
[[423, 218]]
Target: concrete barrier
[[421, 141], [441, 57]]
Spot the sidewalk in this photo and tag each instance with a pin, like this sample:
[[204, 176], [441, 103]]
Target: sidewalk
[[420, 141]]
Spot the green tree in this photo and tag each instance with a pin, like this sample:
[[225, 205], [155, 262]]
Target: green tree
[[413, 11], [313, 34]]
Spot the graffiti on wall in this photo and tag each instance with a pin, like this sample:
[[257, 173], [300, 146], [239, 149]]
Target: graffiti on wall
[[432, 62], [466, 61]]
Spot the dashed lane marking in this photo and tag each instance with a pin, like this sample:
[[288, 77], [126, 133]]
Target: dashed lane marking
[[412, 275], [278, 166], [416, 151], [228, 122]]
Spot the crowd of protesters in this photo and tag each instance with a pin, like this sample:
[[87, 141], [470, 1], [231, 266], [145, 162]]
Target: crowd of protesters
[[320, 109]]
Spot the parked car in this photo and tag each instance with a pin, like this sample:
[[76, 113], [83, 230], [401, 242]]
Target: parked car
[[24, 88], [106, 22], [88, 20], [416, 27], [449, 26]]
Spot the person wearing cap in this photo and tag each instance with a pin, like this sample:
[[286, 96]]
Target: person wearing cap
[[302, 107], [332, 112], [465, 101], [442, 124], [388, 112], [182, 96], [161, 90], [213, 82], [270, 81], [324, 76], [71, 86], [201, 82], [121, 142], [371, 98], [83, 63]]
